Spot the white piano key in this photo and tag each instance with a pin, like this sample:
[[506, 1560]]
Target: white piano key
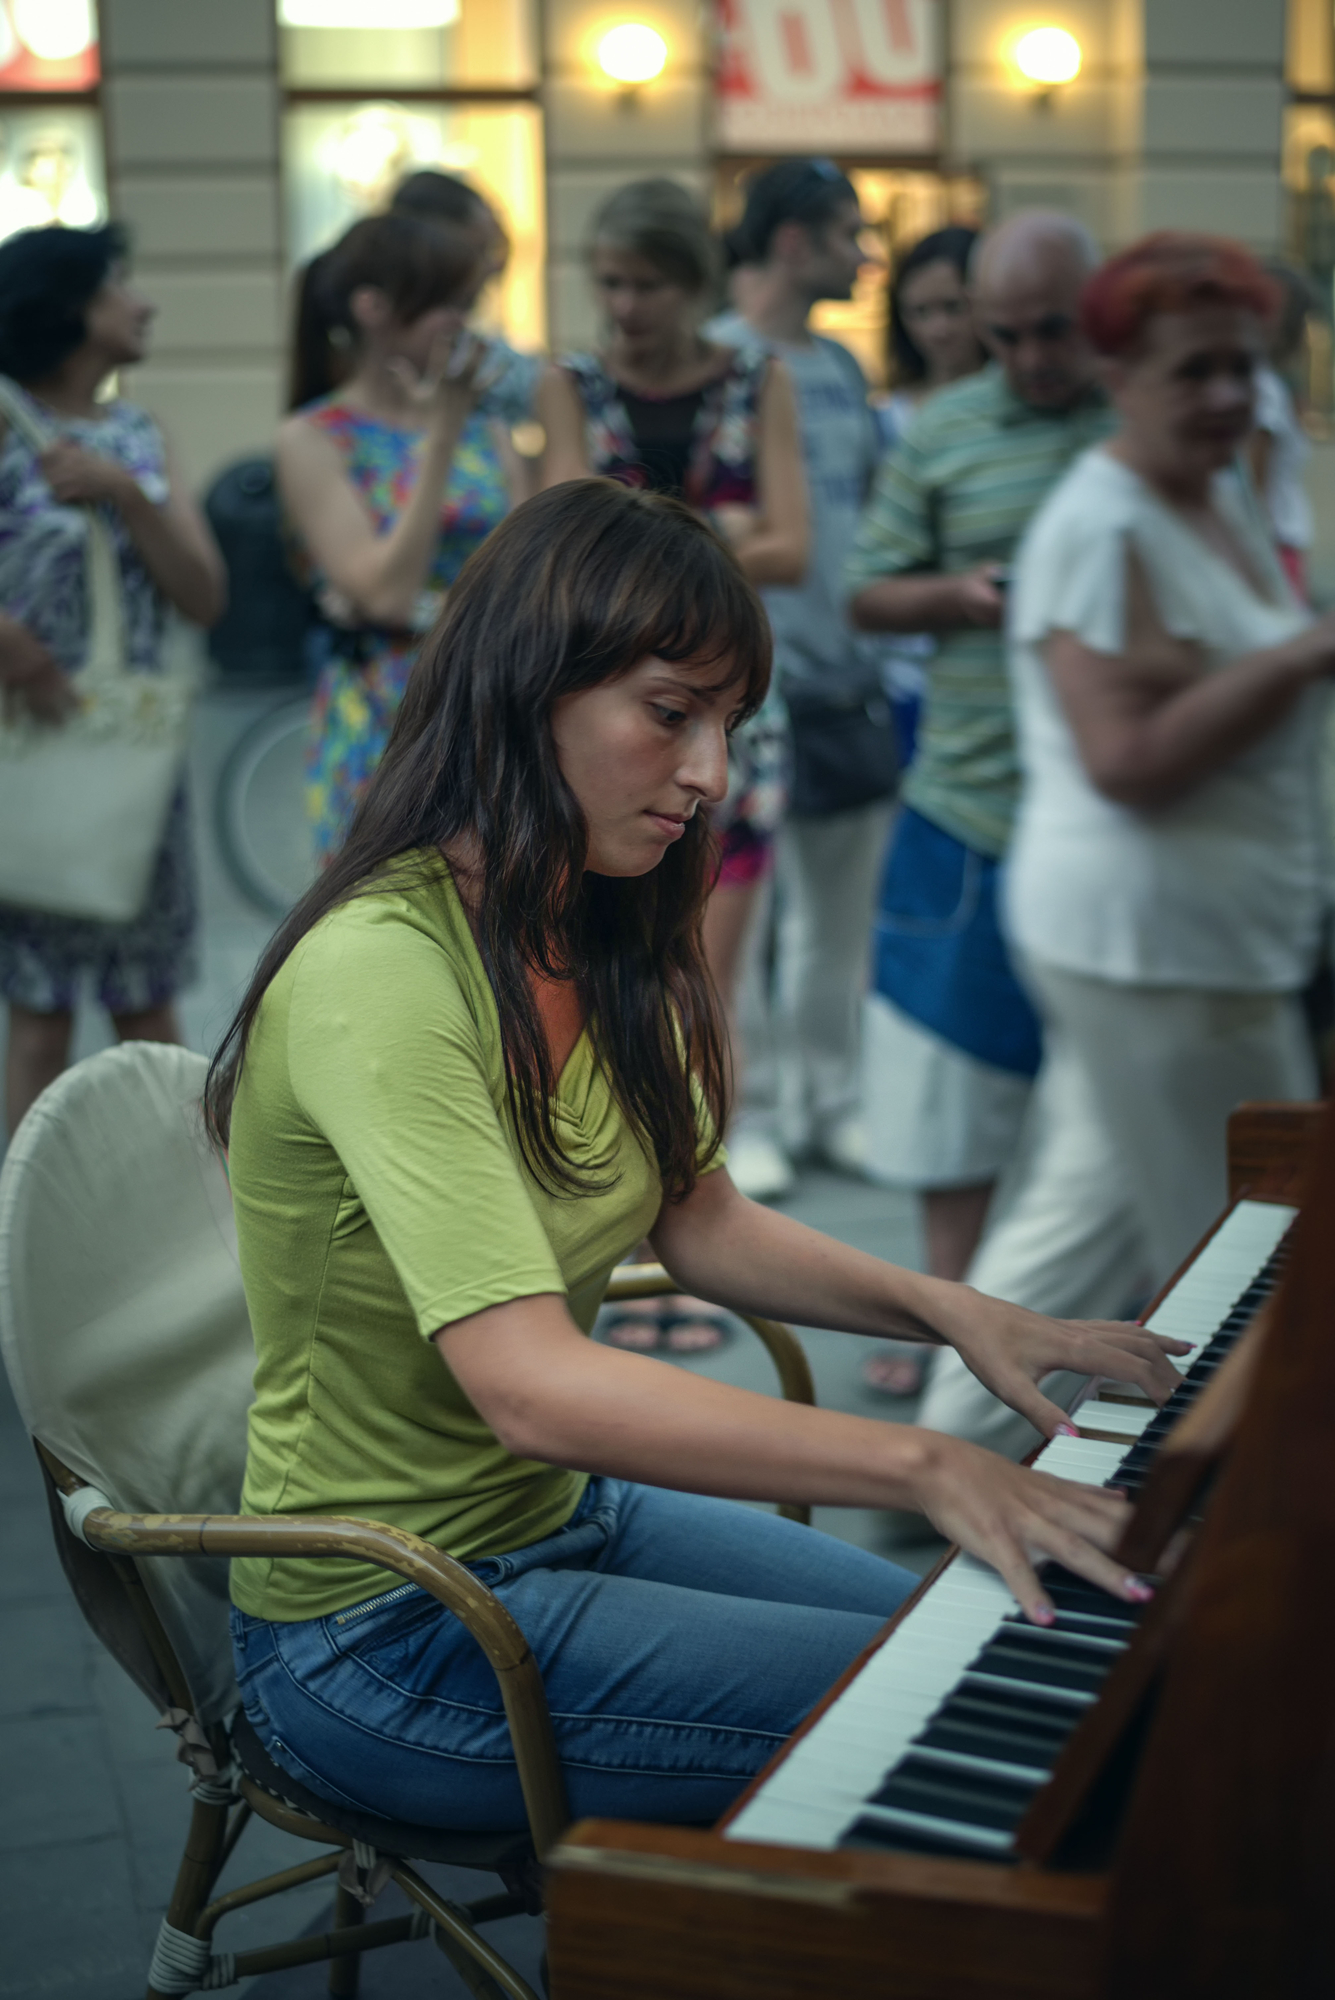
[[1123, 1420]]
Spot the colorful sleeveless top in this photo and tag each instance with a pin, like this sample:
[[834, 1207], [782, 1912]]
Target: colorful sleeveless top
[[361, 684], [721, 467]]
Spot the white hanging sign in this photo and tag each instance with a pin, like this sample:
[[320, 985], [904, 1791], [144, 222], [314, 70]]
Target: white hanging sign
[[845, 76]]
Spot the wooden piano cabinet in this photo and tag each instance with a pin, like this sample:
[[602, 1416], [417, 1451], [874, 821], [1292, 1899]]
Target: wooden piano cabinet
[[661, 1913], [1269, 1149]]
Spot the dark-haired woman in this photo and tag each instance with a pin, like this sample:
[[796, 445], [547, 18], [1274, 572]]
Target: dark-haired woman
[[478, 1062], [389, 483], [663, 409], [68, 318], [323, 355]]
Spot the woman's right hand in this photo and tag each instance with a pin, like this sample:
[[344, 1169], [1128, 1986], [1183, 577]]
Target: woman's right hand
[[454, 380], [32, 679], [1012, 1518]]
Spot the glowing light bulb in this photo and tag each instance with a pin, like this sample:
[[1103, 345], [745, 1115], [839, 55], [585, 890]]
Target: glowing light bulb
[[1048, 56], [54, 30], [632, 53]]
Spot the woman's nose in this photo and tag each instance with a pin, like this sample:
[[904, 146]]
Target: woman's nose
[[706, 768]]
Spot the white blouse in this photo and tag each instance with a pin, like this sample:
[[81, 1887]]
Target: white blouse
[[1224, 889]]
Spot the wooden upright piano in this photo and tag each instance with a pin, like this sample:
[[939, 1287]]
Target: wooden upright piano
[[1129, 1806]]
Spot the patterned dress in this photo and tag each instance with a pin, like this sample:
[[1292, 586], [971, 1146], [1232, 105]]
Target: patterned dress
[[46, 961], [720, 471], [360, 687]]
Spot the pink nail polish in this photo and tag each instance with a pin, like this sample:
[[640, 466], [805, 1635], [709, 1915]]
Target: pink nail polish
[[1043, 1614], [1066, 1431], [1138, 1592]]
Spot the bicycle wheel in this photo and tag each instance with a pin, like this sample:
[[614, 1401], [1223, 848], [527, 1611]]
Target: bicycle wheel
[[260, 810]]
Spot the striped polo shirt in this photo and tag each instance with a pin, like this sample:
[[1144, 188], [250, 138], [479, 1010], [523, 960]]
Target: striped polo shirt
[[958, 491]]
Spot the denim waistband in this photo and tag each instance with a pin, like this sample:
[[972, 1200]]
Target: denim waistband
[[577, 1545]]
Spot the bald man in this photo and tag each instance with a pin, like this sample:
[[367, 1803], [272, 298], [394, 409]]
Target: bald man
[[951, 1042]]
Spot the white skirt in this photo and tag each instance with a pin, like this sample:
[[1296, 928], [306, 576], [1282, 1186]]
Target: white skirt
[[935, 1117]]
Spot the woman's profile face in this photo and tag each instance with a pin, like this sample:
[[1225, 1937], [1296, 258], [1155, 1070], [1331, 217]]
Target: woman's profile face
[[938, 319], [116, 320], [642, 754], [642, 306], [1186, 394]]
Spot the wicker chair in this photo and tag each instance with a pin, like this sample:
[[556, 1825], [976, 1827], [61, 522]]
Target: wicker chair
[[125, 1335]]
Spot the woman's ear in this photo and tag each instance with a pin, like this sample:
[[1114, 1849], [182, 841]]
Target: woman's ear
[[369, 309]]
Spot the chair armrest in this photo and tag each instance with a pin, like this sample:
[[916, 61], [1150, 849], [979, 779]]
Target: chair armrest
[[651, 1281], [408, 1556]]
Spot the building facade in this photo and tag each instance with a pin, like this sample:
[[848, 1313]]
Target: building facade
[[237, 139]]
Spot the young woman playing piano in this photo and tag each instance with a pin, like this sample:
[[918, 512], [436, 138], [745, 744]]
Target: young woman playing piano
[[477, 1064]]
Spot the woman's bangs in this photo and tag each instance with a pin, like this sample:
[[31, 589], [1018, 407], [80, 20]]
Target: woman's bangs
[[708, 620]]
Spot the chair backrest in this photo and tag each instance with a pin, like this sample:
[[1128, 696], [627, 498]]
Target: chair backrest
[[123, 1321]]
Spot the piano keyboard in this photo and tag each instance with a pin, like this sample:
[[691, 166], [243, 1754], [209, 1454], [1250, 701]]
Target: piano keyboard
[[940, 1742]]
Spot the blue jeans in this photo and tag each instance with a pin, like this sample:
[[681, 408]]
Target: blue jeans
[[681, 1641]]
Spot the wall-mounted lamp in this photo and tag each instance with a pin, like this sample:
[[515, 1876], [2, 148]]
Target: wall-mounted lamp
[[1047, 58], [631, 55]]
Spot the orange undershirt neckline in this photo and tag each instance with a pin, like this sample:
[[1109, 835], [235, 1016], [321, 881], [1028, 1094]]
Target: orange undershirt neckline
[[561, 1011]]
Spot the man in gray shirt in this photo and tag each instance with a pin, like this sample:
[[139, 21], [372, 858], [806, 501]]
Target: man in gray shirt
[[798, 242]]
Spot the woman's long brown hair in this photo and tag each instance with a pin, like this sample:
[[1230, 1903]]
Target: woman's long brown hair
[[572, 590]]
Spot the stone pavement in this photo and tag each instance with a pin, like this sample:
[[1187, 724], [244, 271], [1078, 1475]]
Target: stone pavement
[[96, 1807]]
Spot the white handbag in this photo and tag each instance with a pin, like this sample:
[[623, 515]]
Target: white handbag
[[83, 803]]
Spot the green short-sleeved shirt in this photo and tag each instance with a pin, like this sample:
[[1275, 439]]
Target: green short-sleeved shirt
[[959, 490], [380, 1194]]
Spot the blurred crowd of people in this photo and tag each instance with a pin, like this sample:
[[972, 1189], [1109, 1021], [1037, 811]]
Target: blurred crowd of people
[[1022, 872]]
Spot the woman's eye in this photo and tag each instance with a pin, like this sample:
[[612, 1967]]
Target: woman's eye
[[670, 716]]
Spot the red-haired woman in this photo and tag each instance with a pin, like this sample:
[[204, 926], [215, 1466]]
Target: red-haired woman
[[1165, 884]]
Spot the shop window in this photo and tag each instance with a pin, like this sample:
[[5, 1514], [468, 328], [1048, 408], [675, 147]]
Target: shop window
[[376, 89], [52, 167]]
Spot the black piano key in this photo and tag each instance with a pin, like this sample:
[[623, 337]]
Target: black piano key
[[984, 1704], [941, 1792], [1017, 1663], [868, 1832], [1038, 1749], [1070, 1592]]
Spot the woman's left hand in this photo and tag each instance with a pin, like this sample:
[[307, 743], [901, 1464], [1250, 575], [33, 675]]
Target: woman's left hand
[[80, 478], [1010, 1350]]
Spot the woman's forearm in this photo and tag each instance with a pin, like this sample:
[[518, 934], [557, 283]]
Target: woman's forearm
[[772, 555], [741, 1255], [178, 553], [1151, 756], [597, 1409]]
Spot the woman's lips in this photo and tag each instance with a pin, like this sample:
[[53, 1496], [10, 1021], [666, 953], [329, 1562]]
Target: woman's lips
[[669, 827]]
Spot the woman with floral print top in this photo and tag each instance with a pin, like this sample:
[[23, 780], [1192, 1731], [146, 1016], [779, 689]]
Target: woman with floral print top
[[662, 407], [388, 484], [69, 318]]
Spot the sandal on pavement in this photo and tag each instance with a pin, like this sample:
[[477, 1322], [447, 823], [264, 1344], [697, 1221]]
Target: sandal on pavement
[[697, 1332], [636, 1332], [891, 1372]]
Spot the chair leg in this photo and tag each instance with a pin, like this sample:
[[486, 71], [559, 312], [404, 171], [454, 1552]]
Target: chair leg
[[345, 1973], [198, 1870]]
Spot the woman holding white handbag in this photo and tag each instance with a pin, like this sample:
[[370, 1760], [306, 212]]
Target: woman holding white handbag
[[97, 540]]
